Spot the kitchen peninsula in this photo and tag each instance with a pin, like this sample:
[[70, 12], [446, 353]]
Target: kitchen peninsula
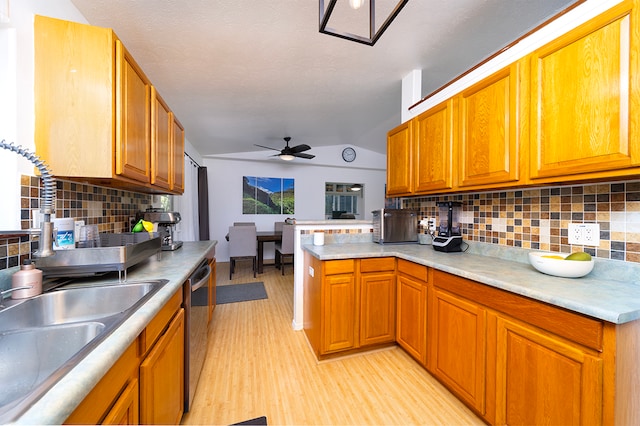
[[488, 326], [60, 401]]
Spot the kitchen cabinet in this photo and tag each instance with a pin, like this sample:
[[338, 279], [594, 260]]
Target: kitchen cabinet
[[177, 184], [489, 129], [433, 142], [378, 301], [114, 400], [543, 379], [145, 385], [161, 141], [411, 322], [212, 288], [399, 161], [93, 110], [457, 342], [162, 377], [585, 97]]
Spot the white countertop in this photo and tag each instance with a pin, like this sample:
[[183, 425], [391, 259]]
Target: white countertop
[[610, 292]]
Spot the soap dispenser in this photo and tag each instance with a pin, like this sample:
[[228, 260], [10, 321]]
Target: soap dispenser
[[27, 282]]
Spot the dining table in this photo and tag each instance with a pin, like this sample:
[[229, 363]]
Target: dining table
[[264, 237]]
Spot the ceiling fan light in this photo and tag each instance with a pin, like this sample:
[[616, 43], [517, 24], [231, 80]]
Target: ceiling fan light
[[286, 157], [356, 187], [356, 4]]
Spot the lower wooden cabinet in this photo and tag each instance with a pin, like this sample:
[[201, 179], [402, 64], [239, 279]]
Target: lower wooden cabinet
[[339, 297], [412, 309], [377, 301], [126, 410], [457, 339], [543, 380], [161, 381]]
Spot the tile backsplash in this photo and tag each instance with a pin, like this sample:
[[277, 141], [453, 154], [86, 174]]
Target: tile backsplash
[[108, 208], [538, 218]]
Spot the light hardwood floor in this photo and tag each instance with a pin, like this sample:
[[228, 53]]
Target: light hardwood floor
[[257, 365]]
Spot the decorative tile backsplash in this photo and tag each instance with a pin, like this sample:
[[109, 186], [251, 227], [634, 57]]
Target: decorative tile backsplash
[[108, 208], [538, 218]]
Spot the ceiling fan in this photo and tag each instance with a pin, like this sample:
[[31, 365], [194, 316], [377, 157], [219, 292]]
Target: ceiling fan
[[289, 153]]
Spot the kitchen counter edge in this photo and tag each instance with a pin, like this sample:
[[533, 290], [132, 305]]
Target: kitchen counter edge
[[614, 301]]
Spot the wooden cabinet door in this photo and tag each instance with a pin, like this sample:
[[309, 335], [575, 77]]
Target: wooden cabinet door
[[162, 377], [161, 141], [489, 130], [126, 409], [339, 313], [457, 342], [543, 380], [133, 139], [177, 163], [411, 317], [377, 308], [585, 99], [399, 157], [433, 139]]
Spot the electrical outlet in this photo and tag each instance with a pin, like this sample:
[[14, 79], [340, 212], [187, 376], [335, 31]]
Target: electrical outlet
[[586, 234], [432, 224]]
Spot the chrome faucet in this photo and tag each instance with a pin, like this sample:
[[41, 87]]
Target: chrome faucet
[[47, 202]]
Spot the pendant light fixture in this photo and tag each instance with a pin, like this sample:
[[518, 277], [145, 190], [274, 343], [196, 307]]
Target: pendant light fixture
[[374, 34]]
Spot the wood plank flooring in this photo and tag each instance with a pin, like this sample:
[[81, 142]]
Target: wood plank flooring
[[257, 365]]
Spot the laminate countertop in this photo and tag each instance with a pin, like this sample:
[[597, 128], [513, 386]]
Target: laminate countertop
[[611, 292], [61, 399]]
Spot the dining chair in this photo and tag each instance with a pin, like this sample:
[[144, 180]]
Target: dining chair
[[277, 226], [244, 224], [284, 249], [242, 246]]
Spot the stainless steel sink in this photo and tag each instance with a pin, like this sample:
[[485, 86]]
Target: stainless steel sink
[[44, 337], [73, 305]]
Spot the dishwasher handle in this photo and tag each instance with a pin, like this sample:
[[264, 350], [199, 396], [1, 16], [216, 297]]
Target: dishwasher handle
[[200, 277]]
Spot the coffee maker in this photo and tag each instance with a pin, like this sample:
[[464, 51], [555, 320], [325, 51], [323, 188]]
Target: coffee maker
[[449, 238], [165, 222]]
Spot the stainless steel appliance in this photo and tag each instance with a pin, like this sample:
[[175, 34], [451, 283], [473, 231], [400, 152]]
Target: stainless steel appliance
[[196, 331], [166, 222], [449, 238], [395, 226]]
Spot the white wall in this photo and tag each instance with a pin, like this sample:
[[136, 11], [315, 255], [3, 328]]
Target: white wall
[[225, 190], [16, 71]]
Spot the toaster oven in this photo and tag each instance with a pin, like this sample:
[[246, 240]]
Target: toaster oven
[[395, 226]]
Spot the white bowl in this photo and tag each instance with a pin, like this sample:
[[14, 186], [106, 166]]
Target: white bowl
[[560, 267]]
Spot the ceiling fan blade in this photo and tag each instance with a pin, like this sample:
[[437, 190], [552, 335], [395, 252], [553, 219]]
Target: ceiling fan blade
[[301, 155], [268, 147], [300, 148]]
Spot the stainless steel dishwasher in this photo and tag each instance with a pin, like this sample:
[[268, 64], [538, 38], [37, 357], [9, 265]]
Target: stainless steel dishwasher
[[196, 327]]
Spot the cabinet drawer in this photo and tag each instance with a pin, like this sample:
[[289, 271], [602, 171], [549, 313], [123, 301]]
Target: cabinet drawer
[[159, 323], [333, 267], [377, 264], [413, 269], [578, 328]]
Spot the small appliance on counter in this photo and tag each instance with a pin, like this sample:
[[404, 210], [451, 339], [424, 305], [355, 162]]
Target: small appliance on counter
[[449, 237], [166, 222], [395, 226]]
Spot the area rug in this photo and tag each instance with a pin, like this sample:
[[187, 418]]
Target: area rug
[[230, 294], [240, 293], [257, 421]]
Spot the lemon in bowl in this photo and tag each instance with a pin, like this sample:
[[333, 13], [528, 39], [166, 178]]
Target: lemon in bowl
[[574, 265]]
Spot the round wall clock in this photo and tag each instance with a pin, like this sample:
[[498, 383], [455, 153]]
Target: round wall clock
[[348, 154]]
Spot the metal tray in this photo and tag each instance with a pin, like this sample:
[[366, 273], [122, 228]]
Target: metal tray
[[117, 253]]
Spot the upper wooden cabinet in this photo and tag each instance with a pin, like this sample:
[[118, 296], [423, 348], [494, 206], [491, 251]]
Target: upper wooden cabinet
[[93, 110], [177, 182], [489, 129], [399, 161], [432, 134], [585, 100]]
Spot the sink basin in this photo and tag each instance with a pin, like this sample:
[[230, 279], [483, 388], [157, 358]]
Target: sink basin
[[21, 369], [74, 305], [44, 337]]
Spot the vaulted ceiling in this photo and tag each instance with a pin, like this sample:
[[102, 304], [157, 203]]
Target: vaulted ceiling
[[245, 72]]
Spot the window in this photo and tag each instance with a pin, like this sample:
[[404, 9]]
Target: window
[[340, 199]]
